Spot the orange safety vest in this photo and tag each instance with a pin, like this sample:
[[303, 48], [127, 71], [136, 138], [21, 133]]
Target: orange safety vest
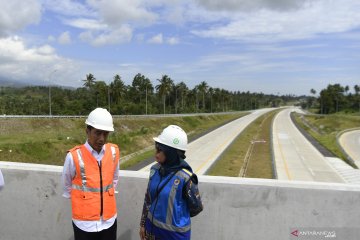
[[92, 193]]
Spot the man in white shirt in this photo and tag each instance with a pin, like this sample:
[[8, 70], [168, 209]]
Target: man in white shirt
[[90, 176]]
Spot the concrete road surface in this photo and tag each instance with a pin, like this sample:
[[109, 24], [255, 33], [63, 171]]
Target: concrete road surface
[[295, 157], [204, 151], [350, 142]]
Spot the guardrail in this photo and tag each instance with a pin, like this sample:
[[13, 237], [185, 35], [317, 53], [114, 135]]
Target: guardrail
[[122, 116]]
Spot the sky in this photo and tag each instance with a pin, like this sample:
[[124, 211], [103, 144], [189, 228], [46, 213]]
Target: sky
[[268, 46]]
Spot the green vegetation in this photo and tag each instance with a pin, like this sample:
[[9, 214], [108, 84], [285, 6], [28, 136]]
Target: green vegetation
[[335, 98], [46, 141], [136, 159], [324, 128], [259, 162], [141, 97]]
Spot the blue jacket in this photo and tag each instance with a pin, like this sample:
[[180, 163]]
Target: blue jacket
[[169, 202]]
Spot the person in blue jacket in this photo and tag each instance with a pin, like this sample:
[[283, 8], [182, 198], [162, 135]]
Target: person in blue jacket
[[172, 195]]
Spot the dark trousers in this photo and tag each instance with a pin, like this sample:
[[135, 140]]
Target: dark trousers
[[106, 234]]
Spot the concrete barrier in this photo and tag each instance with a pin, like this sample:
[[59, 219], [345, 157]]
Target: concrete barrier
[[31, 207]]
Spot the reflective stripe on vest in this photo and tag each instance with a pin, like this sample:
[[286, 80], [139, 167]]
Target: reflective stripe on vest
[[185, 176], [83, 175], [88, 196], [88, 189], [169, 227], [82, 168]]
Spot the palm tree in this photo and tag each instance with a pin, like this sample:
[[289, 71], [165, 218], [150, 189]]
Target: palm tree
[[164, 88], [225, 99], [137, 87], [141, 86], [89, 82], [203, 87], [195, 91], [183, 90], [217, 99], [101, 91], [311, 100], [357, 91], [211, 91], [147, 87], [118, 89]]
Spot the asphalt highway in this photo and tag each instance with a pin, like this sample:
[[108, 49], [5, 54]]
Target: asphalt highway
[[204, 151], [295, 157], [350, 142]]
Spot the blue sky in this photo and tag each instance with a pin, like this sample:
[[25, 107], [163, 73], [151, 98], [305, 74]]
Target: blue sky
[[269, 46]]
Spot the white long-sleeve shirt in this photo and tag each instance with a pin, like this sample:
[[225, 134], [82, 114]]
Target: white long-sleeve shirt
[[2, 183], [68, 175]]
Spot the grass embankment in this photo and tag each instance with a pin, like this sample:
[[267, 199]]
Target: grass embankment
[[259, 162], [46, 141], [324, 128]]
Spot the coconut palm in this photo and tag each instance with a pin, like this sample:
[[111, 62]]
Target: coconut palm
[[141, 85], [164, 88], [118, 89], [203, 87], [90, 80], [183, 91]]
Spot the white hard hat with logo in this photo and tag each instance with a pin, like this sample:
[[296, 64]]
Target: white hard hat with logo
[[100, 119], [173, 136]]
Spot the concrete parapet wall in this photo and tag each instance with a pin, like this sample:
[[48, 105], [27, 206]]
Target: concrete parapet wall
[[31, 207]]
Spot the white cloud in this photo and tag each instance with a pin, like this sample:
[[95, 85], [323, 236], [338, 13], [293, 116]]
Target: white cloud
[[17, 14], [86, 36], [120, 35], [64, 38], [157, 39], [176, 14], [14, 48], [249, 5], [86, 23], [68, 8], [27, 64], [172, 41], [45, 50], [307, 22], [118, 12], [51, 38]]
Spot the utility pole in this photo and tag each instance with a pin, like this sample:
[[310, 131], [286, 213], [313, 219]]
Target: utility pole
[[109, 98], [50, 91], [175, 100]]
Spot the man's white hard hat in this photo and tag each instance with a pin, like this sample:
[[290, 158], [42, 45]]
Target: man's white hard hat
[[100, 119], [173, 136]]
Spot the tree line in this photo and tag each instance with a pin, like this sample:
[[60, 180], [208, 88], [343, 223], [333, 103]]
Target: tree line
[[141, 97], [336, 98]]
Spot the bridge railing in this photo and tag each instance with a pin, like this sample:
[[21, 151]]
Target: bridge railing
[[31, 207]]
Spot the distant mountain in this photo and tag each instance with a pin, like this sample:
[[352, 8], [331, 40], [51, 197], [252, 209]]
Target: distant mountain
[[18, 84], [11, 83]]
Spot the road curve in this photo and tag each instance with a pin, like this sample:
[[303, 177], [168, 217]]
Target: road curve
[[295, 157], [204, 151], [350, 142]]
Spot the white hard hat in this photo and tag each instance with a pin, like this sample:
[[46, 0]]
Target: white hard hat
[[173, 136], [101, 119]]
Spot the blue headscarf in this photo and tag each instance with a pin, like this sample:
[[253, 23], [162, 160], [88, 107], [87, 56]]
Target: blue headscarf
[[174, 159]]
